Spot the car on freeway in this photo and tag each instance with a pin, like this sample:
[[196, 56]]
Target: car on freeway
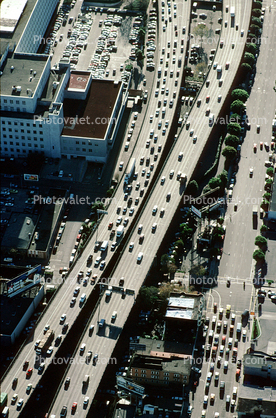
[[251, 172]]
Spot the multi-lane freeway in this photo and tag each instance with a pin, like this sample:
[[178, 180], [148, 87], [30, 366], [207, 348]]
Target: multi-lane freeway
[[128, 267]]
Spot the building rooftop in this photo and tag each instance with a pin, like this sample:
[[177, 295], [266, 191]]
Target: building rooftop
[[47, 221], [168, 365], [159, 348], [183, 307], [13, 310], [10, 14], [259, 360], [90, 118], [17, 232], [253, 397], [78, 81], [16, 72]]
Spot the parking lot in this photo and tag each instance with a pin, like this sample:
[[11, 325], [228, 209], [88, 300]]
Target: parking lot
[[92, 40]]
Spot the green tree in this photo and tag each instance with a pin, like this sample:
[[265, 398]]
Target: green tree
[[246, 68], [257, 5], [109, 192], [198, 271], [269, 181], [192, 188], [139, 55], [97, 205], [237, 106], [220, 221], [214, 182], [254, 29], [232, 141], [186, 231], [251, 48], [256, 12], [249, 58], [223, 178], [240, 94], [263, 228], [260, 241], [201, 30], [180, 244], [234, 129], [148, 297], [256, 21], [229, 153], [235, 118], [270, 171], [267, 196], [164, 261], [258, 255]]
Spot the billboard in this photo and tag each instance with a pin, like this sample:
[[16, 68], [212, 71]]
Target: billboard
[[196, 211], [130, 386], [21, 281], [31, 177]]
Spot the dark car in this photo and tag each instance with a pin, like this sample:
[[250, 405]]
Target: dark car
[[25, 365], [14, 382], [67, 383]]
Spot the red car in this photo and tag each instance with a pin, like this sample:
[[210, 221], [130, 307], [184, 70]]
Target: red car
[[207, 99], [215, 307], [255, 148], [110, 225], [29, 372], [74, 406], [238, 372]]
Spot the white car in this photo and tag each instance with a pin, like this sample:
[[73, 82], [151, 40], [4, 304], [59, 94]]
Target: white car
[[140, 257], [50, 351], [62, 318], [154, 210]]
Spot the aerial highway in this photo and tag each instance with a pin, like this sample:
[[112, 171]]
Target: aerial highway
[[134, 272], [128, 268]]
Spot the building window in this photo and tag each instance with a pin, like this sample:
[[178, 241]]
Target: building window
[[41, 146], [28, 124], [11, 149], [11, 101], [29, 138], [5, 101], [17, 102], [35, 138], [17, 150], [15, 123], [24, 151], [84, 149], [22, 137], [4, 129], [10, 129], [77, 142], [176, 375], [77, 149], [41, 139], [35, 145], [28, 131], [35, 132], [90, 150], [10, 136], [5, 143], [40, 132], [21, 124], [23, 144], [29, 145], [166, 378], [9, 123], [6, 149], [23, 102], [16, 130]]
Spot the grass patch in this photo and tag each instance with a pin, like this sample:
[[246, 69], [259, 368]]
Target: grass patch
[[255, 329]]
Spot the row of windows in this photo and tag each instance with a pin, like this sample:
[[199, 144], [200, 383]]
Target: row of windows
[[157, 372], [78, 149], [23, 145], [16, 102], [21, 124], [17, 150], [166, 382], [22, 131], [22, 137]]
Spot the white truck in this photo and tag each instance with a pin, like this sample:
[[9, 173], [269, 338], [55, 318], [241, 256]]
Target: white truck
[[120, 231], [232, 11], [129, 171], [104, 246]]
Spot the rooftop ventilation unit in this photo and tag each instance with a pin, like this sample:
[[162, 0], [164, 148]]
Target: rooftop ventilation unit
[[18, 88], [31, 70], [12, 68], [34, 73], [30, 79], [13, 88]]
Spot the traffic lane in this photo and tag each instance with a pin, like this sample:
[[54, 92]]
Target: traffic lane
[[100, 343]]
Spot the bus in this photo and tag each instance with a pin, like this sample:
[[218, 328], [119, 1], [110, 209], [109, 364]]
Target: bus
[[3, 401]]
